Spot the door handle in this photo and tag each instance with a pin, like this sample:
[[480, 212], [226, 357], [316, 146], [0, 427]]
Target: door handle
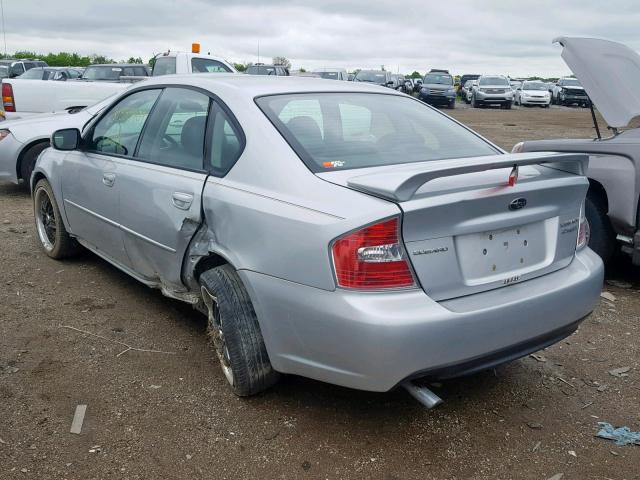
[[182, 200], [109, 179]]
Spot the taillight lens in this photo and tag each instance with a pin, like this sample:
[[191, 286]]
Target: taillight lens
[[7, 98], [584, 231], [372, 258]]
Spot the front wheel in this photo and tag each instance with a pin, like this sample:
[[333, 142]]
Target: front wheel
[[54, 238], [233, 327]]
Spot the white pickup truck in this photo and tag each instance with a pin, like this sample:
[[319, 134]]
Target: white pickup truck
[[23, 98]]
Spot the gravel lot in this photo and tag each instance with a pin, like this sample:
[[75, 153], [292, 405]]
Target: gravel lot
[[159, 415]]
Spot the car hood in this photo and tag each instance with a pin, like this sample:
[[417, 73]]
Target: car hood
[[45, 124], [610, 74]]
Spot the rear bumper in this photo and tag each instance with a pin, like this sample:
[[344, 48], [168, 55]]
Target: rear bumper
[[373, 341]]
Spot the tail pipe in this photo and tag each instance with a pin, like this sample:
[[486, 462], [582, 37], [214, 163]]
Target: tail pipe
[[422, 394]]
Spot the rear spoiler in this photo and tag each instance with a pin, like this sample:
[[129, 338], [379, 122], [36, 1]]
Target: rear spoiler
[[402, 182]]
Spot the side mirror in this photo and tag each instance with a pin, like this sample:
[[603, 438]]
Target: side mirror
[[66, 139], [390, 83]]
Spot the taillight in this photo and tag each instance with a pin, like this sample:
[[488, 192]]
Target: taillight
[[584, 231], [372, 258], [7, 98]]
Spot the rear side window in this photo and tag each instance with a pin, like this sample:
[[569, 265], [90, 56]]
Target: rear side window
[[207, 65], [118, 131], [226, 142], [354, 130], [164, 66], [175, 133]]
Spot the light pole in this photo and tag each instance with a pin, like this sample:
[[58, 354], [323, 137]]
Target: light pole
[[4, 32]]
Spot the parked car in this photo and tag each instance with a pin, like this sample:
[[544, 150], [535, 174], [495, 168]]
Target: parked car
[[262, 69], [465, 92], [11, 68], [377, 77], [569, 91], [362, 259], [437, 89], [514, 84], [114, 72], [51, 73], [492, 90], [400, 83], [22, 140], [464, 78], [183, 62], [332, 73], [417, 85], [532, 93], [610, 73], [469, 92]]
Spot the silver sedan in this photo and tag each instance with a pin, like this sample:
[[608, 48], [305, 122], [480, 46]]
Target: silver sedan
[[339, 231]]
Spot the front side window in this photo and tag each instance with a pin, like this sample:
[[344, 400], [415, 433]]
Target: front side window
[[175, 133], [332, 131], [164, 66], [117, 132], [207, 65]]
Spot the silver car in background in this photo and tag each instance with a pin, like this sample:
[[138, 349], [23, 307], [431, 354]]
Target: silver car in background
[[337, 231], [532, 93], [492, 90]]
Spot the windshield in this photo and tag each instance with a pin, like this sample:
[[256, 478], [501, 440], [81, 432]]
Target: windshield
[[332, 131], [570, 82], [102, 73], [438, 78], [368, 76], [329, 75], [261, 70], [33, 74], [493, 81], [533, 86]]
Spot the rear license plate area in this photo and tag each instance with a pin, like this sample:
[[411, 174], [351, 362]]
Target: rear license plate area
[[503, 255]]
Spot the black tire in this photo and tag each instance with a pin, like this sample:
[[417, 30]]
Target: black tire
[[28, 161], [603, 238], [52, 234], [234, 328], [474, 102], [452, 104]]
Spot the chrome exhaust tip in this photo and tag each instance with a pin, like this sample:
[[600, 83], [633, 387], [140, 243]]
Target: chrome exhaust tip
[[422, 394]]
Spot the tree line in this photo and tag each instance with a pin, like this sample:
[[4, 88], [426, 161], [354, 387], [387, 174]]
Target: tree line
[[66, 59]]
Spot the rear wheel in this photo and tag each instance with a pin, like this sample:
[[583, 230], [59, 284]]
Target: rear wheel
[[233, 327], [452, 104], [54, 238], [602, 238], [28, 162]]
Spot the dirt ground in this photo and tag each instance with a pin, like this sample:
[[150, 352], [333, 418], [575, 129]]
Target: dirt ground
[[170, 415]]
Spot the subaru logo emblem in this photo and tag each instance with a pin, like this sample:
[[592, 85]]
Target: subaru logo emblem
[[518, 203]]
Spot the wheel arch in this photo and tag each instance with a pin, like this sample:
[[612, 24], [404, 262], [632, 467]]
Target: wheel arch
[[24, 151], [599, 193]]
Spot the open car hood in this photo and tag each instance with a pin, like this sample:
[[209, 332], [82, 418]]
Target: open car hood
[[609, 72]]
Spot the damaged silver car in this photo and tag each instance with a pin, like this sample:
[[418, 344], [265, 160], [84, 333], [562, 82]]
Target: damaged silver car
[[337, 231]]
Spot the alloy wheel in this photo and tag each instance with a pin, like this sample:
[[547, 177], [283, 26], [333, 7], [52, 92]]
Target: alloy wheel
[[214, 329]]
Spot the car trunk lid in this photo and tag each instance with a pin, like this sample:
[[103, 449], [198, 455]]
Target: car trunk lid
[[466, 230]]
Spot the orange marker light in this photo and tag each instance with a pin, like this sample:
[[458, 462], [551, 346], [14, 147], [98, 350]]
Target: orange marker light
[[195, 48]]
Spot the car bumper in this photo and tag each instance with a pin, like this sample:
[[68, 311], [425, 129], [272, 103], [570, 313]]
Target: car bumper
[[10, 148], [437, 99], [574, 99], [373, 341], [497, 98], [535, 100]]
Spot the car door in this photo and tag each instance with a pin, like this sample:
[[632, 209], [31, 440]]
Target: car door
[[90, 183], [161, 188]]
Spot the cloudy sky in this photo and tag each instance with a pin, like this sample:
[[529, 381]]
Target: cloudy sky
[[507, 37]]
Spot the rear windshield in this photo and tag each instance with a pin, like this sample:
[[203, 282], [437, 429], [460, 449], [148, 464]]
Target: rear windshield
[[336, 131], [102, 73], [494, 81], [329, 75], [164, 66], [260, 70]]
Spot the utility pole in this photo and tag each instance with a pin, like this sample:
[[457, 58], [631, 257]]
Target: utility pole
[[4, 31]]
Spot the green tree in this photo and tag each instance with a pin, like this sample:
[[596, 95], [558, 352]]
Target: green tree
[[415, 75], [284, 61], [134, 60], [241, 67]]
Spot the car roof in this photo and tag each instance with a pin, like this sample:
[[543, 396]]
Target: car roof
[[252, 86]]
